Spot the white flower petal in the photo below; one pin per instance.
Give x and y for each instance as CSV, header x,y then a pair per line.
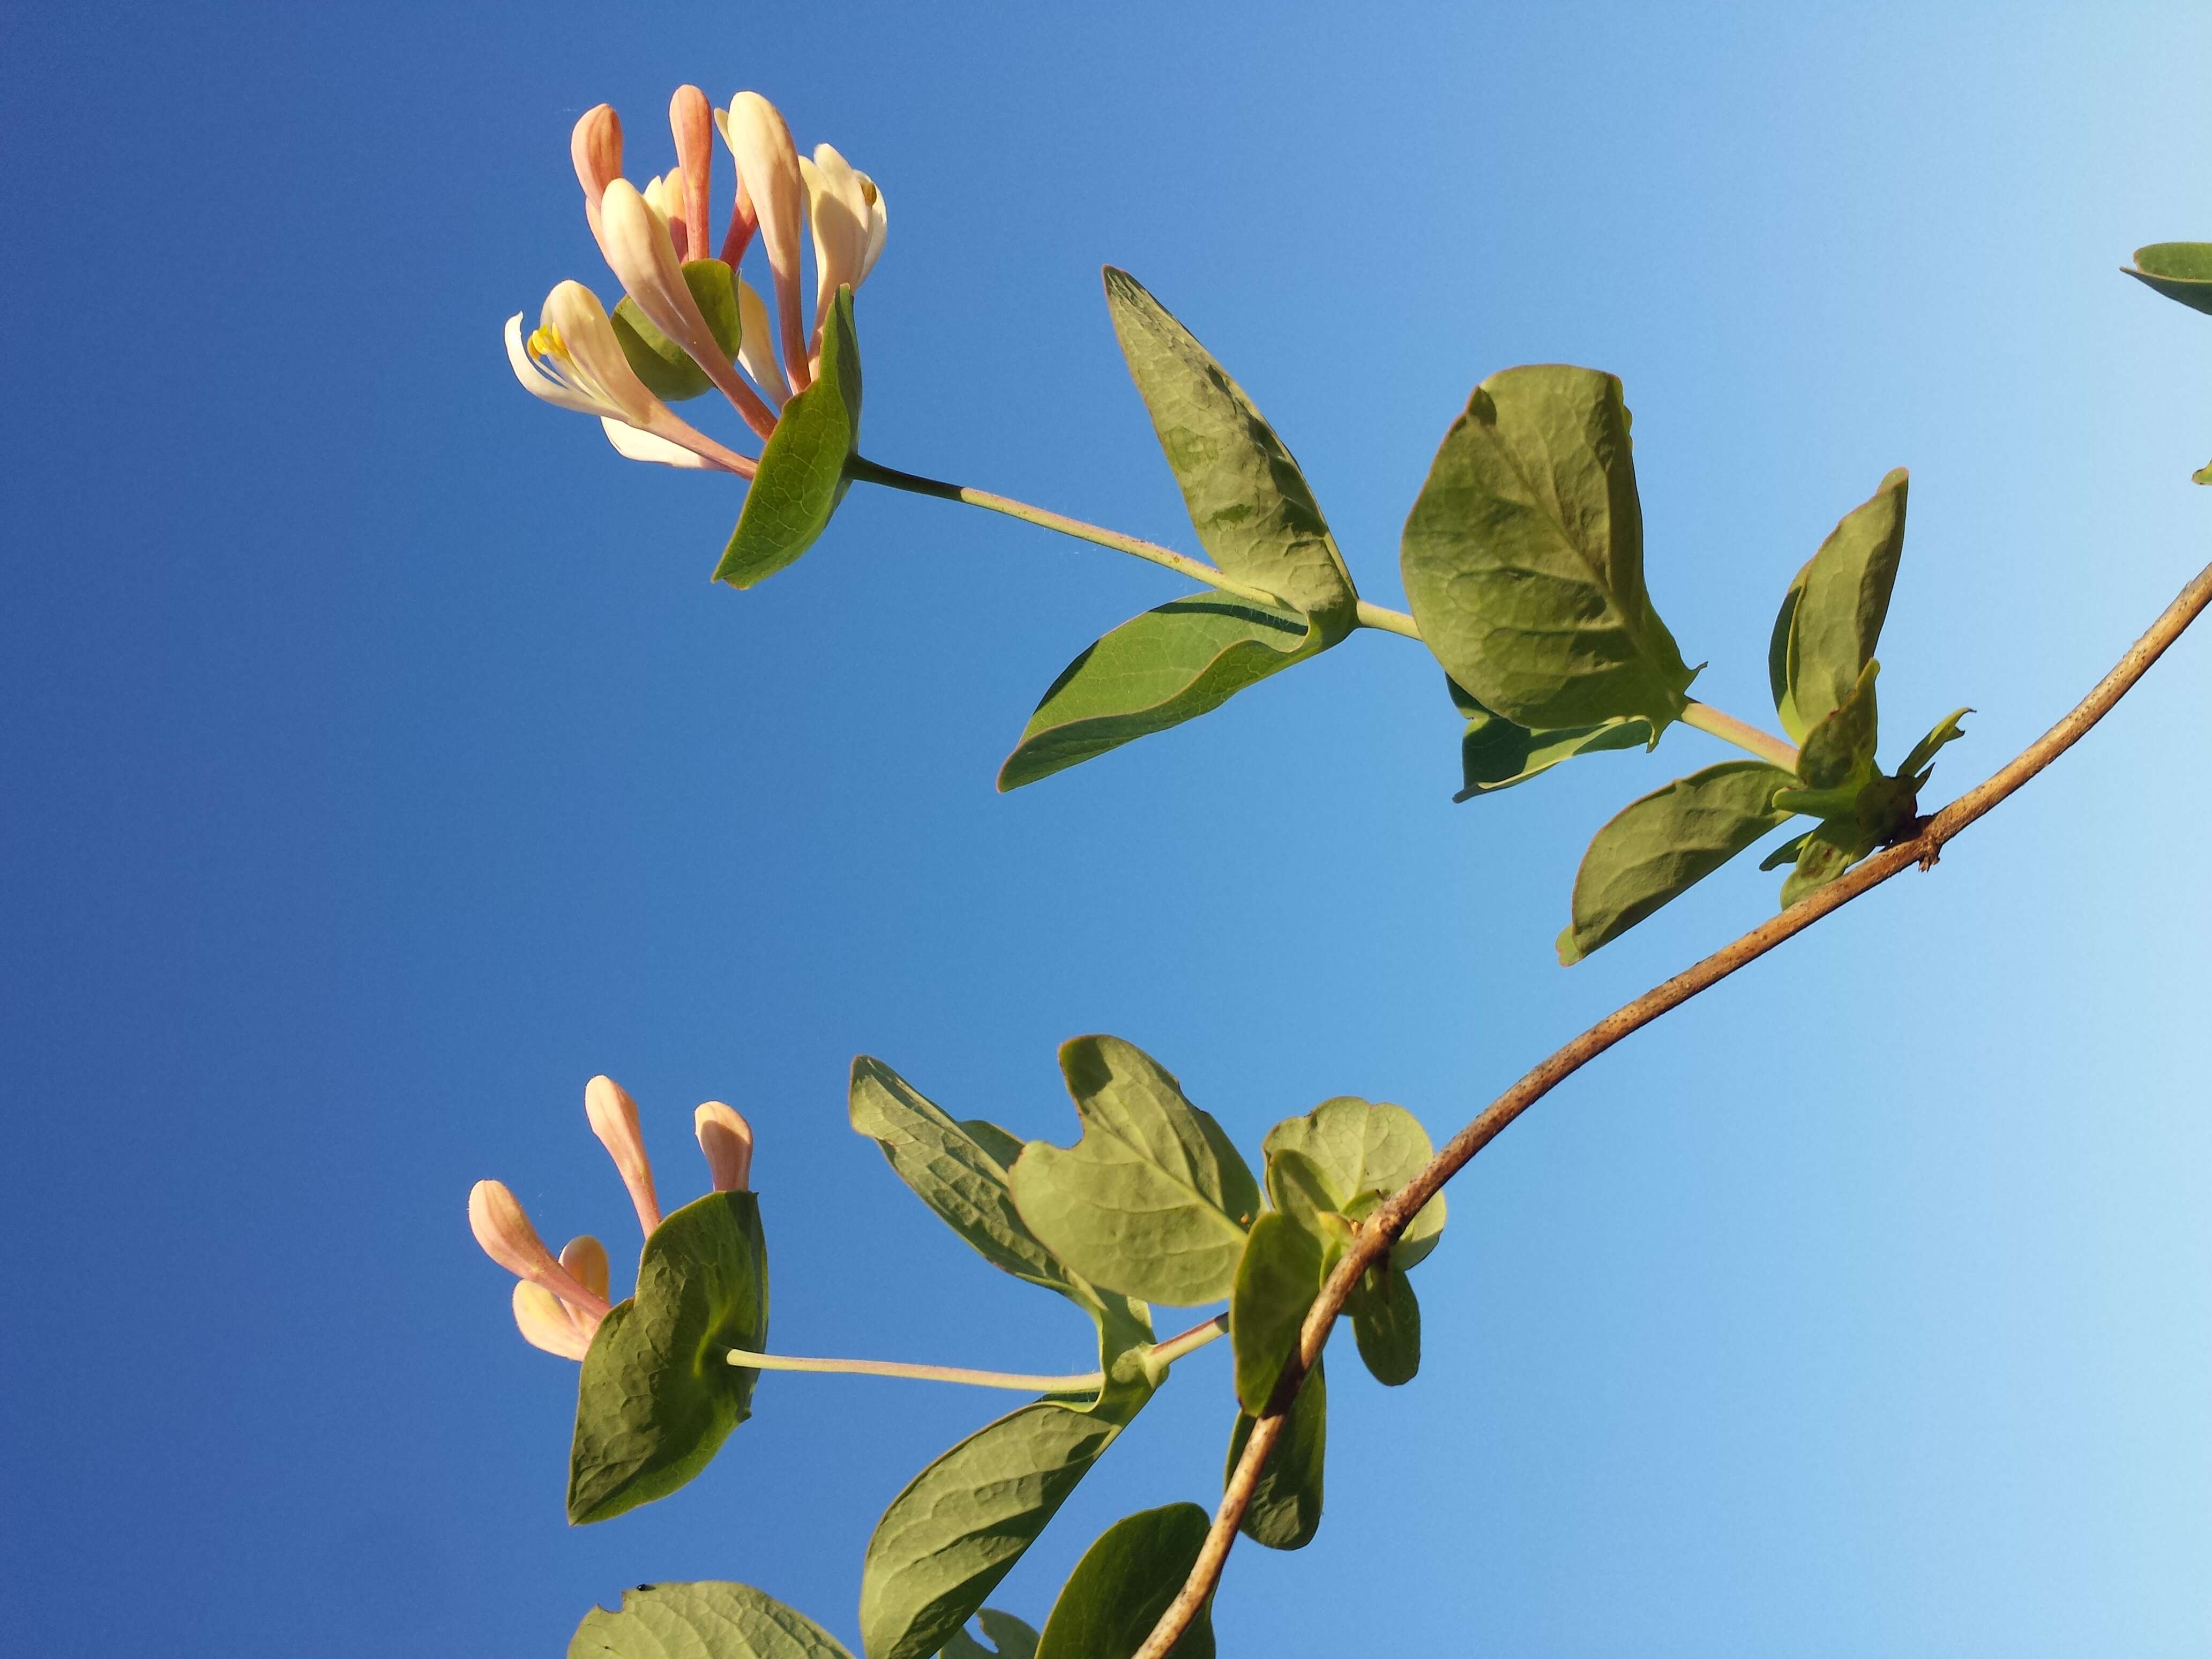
x,y
640,445
534,380
543,1319
755,349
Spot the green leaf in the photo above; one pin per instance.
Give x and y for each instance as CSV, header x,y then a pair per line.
x,y
2180,270
1284,1513
1827,850
2202,475
1153,1201
1386,1323
953,1171
657,1399
1658,847
665,367
1357,1148
957,1530
1297,1187
1010,1639
1838,753
1524,557
1787,853
1249,503
1946,730
706,1620
1123,1585
1495,753
1174,663
1832,615
802,467
1277,1280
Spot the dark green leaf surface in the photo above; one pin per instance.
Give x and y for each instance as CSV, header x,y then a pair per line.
x,y
1659,846
1284,1513
1123,1585
1249,503
1496,753
1385,1324
706,1620
1839,752
802,466
1524,557
1355,1148
2180,270
1172,664
1831,617
1010,1638
961,1524
666,369
1153,1201
1277,1280
657,1399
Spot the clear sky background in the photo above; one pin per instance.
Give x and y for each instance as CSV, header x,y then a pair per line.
x,y
380,764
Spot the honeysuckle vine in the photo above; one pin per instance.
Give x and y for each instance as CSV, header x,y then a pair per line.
x,y
1522,561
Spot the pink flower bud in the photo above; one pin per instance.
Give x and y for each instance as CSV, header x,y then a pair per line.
x,y
548,1323
586,1258
503,1230
692,119
596,147
768,165
727,1140
613,1117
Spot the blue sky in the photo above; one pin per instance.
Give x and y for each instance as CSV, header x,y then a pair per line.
x,y
382,765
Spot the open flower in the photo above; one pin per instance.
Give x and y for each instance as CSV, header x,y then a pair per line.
x,y
559,1301
656,238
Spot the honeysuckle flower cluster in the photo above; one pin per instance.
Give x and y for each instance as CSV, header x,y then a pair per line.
x,y
573,358
559,1301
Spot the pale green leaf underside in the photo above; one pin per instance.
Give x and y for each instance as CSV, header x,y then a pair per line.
x,y
1357,1148
1170,665
1657,847
1153,1201
1250,505
656,1398
1830,619
2180,270
666,369
1524,557
1010,1638
1284,1513
1496,753
706,1620
1276,1279
1123,1585
802,467
1386,1325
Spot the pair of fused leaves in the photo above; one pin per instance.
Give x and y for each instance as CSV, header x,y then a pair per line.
x,y
1822,671
2182,272
803,472
960,1525
1257,518
1523,564
720,1621
657,1395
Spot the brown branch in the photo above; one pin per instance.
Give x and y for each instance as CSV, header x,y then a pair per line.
x,y
1383,1226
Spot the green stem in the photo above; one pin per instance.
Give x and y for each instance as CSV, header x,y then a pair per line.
x,y
1020,1382
1744,735
1703,716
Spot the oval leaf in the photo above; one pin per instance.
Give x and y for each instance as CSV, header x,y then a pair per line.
x,y
1524,557
1284,1513
1123,1585
706,1620
2180,270
1153,1201
1176,662
1656,847
1385,1324
1496,753
961,1524
802,466
1249,503
657,1398
1839,752
1277,1280
665,367
1357,1148
1831,617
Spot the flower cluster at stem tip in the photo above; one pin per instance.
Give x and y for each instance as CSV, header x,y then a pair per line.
x,y
559,1301
573,358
